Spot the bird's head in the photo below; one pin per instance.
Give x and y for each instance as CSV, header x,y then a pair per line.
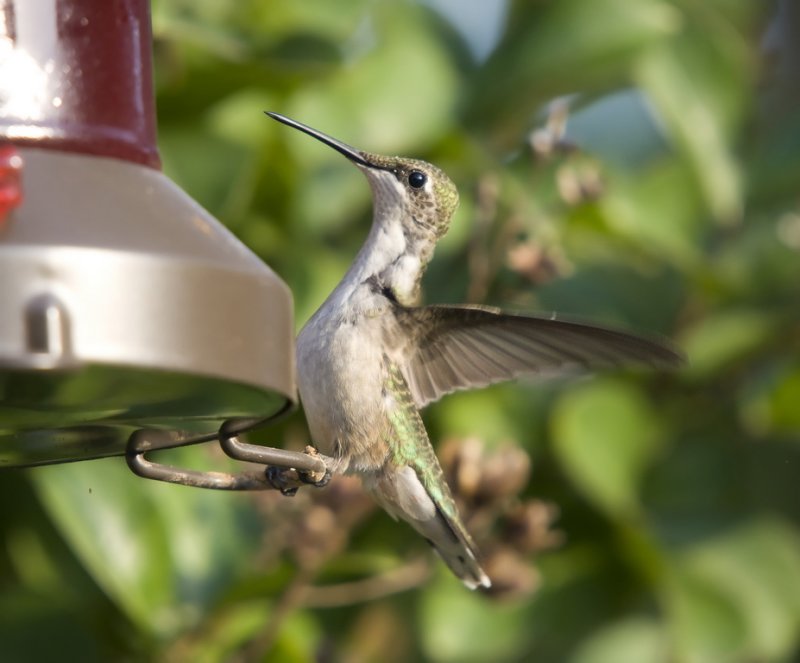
x,y
419,193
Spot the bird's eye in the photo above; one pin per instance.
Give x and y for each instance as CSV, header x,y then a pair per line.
x,y
417,179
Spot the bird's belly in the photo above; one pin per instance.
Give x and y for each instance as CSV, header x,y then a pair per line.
x,y
340,378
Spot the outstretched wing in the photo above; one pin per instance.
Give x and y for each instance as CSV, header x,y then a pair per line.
x,y
464,347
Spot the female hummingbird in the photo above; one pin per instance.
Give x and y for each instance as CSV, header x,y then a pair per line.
x,y
369,359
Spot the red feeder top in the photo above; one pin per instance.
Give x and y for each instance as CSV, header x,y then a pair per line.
x,y
75,75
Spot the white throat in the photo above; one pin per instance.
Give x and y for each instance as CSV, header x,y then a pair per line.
x,y
392,255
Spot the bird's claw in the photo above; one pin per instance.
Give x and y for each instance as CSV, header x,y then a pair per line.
x,y
316,478
312,478
280,478
288,480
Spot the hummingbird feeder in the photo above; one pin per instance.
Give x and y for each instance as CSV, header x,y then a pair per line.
x,y
130,319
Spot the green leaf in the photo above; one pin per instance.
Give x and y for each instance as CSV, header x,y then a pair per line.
x,y
161,552
632,640
707,626
483,414
44,628
619,128
756,567
366,107
192,157
239,117
784,413
558,48
671,80
724,337
456,625
659,210
605,434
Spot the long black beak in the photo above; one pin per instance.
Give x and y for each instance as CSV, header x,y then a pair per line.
x,y
350,152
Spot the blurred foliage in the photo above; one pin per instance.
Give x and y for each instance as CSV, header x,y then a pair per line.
x,y
635,162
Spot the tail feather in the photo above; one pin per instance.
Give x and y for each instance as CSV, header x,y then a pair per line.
x,y
400,492
455,548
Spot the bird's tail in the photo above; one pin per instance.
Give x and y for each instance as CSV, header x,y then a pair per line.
x,y
456,549
400,492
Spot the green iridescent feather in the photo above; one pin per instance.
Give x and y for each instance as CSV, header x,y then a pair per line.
x,y
409,445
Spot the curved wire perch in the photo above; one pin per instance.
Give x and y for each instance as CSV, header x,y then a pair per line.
x,y
286,470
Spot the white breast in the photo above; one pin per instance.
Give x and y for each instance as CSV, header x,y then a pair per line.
x,y
340,379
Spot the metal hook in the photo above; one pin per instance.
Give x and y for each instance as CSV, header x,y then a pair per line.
x,y
286,470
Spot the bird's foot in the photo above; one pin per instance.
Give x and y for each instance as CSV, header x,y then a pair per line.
x,y
318,479
288,480
283,479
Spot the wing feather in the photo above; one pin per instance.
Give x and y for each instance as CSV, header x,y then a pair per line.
x,y
464,347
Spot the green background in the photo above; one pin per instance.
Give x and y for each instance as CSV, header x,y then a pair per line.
x,y
669,206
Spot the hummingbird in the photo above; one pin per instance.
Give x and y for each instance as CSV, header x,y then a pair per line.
x,y
371,358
